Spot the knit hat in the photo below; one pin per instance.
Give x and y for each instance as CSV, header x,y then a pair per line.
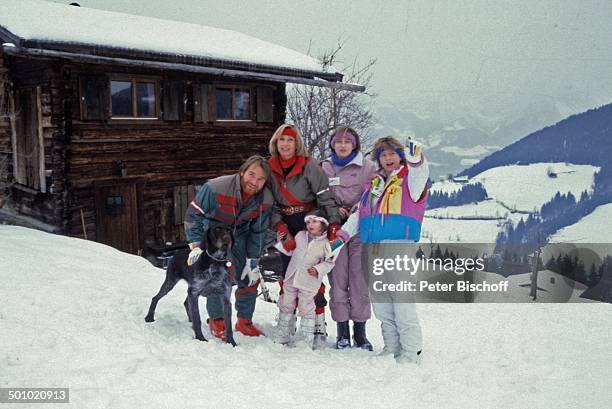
x,y
317,218
344,134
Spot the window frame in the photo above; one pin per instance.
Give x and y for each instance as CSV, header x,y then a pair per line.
x,y
234,88
134,79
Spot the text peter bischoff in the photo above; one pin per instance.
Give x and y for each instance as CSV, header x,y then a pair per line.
x,y
397,274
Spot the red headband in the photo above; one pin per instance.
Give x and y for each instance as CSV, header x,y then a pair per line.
x,y
288,131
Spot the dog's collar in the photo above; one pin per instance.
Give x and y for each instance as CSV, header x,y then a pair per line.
x,y
220,260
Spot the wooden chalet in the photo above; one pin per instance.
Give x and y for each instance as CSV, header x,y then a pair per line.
x,y
109,121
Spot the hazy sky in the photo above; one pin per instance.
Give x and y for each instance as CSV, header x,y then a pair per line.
x,y
480,52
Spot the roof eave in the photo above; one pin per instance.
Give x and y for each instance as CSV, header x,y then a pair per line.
x,y
188,64
129,53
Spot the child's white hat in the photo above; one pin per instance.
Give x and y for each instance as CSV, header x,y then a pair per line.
x,y
317,218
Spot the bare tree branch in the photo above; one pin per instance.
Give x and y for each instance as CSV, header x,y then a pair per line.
x,y
316,111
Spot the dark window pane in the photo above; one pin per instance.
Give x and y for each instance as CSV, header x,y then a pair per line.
x,y
94,92
223,97
243,104
114,205
145,99
121,98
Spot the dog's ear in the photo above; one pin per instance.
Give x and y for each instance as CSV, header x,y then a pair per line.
x,y
231,233
204,241
209,240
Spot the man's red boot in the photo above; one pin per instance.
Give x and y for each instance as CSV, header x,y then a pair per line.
x,y
247,328
217,328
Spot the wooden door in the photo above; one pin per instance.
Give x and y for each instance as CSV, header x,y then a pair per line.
x,y
28,145
117,214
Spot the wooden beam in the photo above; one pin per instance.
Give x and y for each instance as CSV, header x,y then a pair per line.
x,y
94,59
41,143
19,177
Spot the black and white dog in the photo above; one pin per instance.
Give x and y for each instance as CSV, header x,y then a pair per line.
x,y
208,276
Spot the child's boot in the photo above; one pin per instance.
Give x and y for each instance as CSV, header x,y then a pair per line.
x,y
285,328
307,329
320,331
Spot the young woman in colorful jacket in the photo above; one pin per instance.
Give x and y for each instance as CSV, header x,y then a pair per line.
x,y
390,214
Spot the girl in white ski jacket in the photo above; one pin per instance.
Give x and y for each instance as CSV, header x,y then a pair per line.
x,y
309,264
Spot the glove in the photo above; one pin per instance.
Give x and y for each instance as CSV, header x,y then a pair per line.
x,y
313,272
412,151
288,243
251,269
194,255
281,227
332,231
333,249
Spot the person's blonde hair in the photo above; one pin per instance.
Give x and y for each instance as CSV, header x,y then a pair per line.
x,y
300,150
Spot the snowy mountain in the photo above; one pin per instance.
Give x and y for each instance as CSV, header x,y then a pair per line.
x,y
458,136
72,316
580,139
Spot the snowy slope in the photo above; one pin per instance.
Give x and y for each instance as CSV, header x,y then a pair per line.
x,y
593,228
487,208
514,191
525,187
72,315
449,230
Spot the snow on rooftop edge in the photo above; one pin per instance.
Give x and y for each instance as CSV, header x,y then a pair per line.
x,y
41,20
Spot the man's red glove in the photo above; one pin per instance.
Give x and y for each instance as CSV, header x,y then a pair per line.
x,y
281,227
332,231
288,243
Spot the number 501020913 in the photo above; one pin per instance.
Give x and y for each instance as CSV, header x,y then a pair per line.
x,y
34,395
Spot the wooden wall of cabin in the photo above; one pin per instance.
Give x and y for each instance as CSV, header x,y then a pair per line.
x,y
34,97
6,157
162,158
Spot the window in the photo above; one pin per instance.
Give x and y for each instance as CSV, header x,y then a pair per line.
x,y
233,104
114,205
134,98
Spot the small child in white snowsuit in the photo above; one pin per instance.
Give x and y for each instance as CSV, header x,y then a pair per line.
x,y
308,250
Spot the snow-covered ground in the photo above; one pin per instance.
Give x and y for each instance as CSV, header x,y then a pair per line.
x,y
487,208
72,316
528,187
593,228
470,231
514,191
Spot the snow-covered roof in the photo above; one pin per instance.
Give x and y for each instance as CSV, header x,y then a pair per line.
x,y
40,24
